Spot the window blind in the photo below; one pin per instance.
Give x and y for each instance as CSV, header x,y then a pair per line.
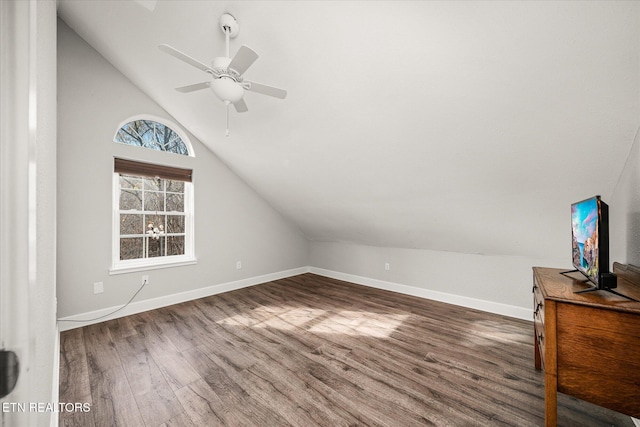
x,y
132,167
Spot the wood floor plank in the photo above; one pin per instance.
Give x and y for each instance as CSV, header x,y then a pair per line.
x,y
154,397
113,402
74,378
203,406
265,391
169,359
101,351
312,351
181,420
122,327
176,370
171,322
239,408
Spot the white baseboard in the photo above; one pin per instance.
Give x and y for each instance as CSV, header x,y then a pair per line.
x,y
76,321
483,305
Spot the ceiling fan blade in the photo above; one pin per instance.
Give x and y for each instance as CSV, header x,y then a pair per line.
x,y
193,87
183,57
243,59
266,90
241,106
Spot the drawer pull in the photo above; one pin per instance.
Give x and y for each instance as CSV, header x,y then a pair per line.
x,y
537,308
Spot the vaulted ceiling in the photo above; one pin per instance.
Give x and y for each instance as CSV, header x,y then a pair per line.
x,y
455,126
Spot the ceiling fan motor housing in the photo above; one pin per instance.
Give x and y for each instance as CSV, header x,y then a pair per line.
x,y
226,82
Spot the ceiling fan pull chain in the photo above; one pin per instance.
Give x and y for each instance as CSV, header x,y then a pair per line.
x,y
227,132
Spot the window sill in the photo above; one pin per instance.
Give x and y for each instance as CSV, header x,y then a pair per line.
x,y
134,267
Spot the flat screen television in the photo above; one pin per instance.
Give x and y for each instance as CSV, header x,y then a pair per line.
x,y
590,244
590,239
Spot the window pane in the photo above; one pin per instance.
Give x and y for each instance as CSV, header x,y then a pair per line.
x,y
131,224
130,199
153,201
153,222
131,248
151,134
175,202
133,182
175,245
129,137
175,224
175,186
156,246
155,184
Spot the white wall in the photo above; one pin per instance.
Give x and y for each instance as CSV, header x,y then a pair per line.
x,y
28,196
493,279
624,214
624,207
624,211
231,221
500,284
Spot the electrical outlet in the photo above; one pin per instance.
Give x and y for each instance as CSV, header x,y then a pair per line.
x,y
238,265
98,288
145,280
387,266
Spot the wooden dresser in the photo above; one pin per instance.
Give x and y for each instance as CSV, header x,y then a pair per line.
x,y
588,344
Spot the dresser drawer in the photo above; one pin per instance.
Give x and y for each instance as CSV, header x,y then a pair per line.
x,y
538,304
539,335
538,321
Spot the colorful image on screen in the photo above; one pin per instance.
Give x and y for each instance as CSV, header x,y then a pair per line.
x,y
584,226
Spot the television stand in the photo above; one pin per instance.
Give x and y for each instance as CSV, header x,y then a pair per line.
x,y
566,273
595,288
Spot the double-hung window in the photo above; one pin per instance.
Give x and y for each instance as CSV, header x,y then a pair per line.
x,y
153,215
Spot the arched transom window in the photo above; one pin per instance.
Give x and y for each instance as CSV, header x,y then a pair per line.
x,y
153,135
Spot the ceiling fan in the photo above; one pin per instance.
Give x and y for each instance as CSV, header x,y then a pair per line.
x,y
227,82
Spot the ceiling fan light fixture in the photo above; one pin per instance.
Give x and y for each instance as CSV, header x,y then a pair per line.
x,y
226,89
226,73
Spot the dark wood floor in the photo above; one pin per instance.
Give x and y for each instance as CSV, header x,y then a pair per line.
x,y
309,351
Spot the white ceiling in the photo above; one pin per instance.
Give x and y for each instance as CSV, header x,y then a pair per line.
x,y
456,126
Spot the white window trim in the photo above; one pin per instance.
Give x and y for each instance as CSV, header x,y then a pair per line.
x,y
119,266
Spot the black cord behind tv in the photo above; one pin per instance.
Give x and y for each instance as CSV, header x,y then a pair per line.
x,y
590,244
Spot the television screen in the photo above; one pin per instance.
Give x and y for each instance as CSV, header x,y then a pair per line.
x,y
586,223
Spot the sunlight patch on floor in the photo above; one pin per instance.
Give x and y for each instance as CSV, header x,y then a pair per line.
x,y
487,332
361,323
285,318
